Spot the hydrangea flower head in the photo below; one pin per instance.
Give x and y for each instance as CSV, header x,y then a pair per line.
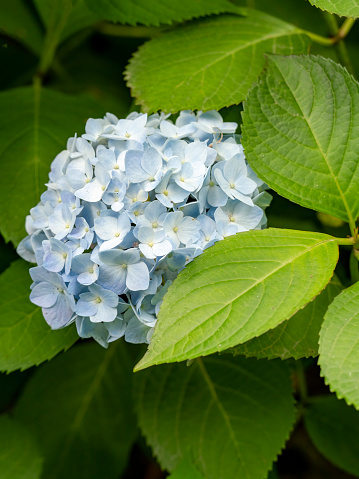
x,y
128,205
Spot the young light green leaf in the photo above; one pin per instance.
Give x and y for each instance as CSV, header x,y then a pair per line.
x,y
186,470
298,336
307,151
79,407
210,64
237,290
231,415
34,126
19,453
158,12
18,21
333,428
344,8
25,338
338,345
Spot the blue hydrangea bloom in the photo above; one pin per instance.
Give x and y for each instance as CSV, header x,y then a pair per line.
x,y
128,205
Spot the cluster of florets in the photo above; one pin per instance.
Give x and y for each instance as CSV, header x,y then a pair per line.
x,y
128,205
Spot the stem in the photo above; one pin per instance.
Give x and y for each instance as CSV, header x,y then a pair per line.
x,y
346,241
353,267
55,27
340,33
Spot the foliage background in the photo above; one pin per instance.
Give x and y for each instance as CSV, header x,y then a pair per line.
x,y
63,62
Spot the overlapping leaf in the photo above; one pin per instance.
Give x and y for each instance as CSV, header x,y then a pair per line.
x,y
208,65
339,345
25,338
155,12
19,453
298,336
231,415
301,133
34,126
346,8
333,428
238,289
79,407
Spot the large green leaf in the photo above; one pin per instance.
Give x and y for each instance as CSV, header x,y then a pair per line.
x,y
298,336
156,12
18,21
25,338
301,133
79,407
208,65
345,8
339,344
19,453
238,289
231,415
333,428
34,126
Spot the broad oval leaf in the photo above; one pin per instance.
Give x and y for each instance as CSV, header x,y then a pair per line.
x,y
210,64
25,338
333,427
301,133
344,8
156,12
338,345
79,407
238,289
19,452
298,336
247,404
34,126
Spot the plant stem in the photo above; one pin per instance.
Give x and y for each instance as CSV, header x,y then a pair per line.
x,y
341,33
338,34
353,267
54,29
346,241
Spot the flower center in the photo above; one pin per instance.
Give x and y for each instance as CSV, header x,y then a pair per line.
x,y
98,300
175,229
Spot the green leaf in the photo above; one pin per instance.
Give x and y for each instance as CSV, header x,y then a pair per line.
x,y
18,21
231,415
338,346
307,151
186,470
25,338
344,8
34,126
333,428
79,407
157,11
80,16
210,64
298,336
238,289
19,453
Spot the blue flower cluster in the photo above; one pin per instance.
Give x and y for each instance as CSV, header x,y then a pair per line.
x,y
127,206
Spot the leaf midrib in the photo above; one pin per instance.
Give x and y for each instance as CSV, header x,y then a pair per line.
x,y
157,355
342,196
